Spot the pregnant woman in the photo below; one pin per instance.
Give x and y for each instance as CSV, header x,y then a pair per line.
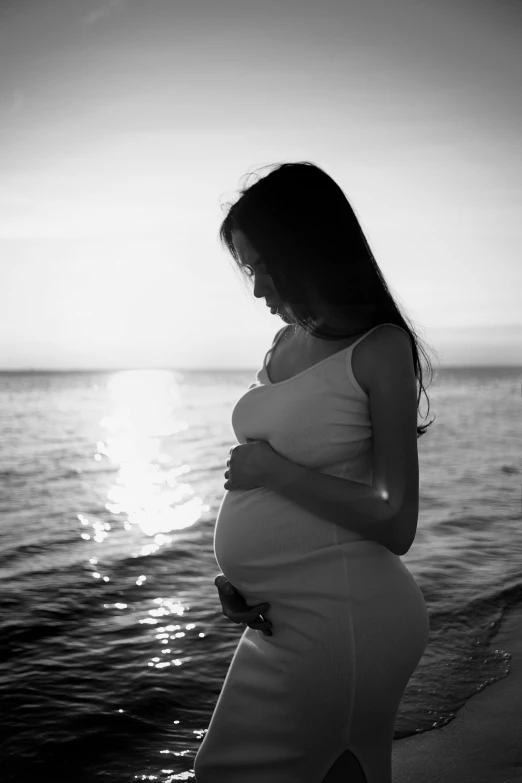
x,y
322,501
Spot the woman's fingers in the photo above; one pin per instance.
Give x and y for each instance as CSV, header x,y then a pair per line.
x,y
243,615
250,616
247,617
223,585
259,625
236,609
252,620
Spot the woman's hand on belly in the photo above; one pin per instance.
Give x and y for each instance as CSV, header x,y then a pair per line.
x,y
236,609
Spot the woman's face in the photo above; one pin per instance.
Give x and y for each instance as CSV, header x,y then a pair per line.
x,y
263,284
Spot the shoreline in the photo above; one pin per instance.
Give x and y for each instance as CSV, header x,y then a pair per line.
x,y
483,743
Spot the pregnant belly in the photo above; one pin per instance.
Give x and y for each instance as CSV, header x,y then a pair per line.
x,y
261,536
312,572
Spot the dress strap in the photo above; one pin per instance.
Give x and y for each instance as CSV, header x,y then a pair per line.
x,y
279,334
372,329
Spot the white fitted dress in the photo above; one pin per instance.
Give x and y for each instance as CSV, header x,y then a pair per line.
x,y
349,620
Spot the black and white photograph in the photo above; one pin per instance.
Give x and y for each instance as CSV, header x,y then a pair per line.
x,y
260,391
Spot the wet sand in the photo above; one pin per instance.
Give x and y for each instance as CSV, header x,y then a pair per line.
x,y
483,744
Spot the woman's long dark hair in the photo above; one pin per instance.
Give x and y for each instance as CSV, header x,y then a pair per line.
x,y
307,235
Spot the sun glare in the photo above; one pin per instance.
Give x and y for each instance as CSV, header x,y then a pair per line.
x,y
147,489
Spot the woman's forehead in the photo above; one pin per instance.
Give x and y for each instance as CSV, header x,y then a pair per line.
x,y
243,246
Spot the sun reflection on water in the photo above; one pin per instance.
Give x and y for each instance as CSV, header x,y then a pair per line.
x,y
147,488
144,448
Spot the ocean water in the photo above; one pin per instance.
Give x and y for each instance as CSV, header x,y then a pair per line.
x,y
113,645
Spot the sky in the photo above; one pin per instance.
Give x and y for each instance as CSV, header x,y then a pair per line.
x,y
126,126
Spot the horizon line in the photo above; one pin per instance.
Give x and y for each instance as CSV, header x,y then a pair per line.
x,y
212,369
